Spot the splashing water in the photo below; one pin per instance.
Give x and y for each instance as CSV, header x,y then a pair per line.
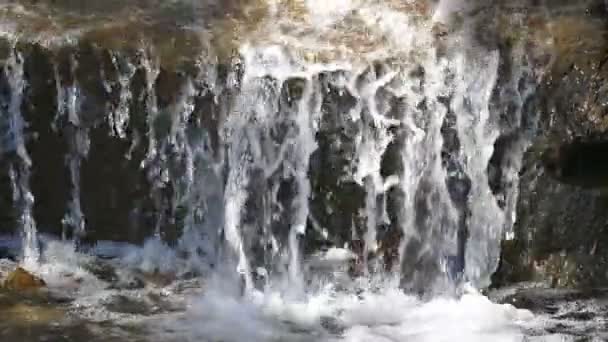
x,y
384,315
449,219
403,105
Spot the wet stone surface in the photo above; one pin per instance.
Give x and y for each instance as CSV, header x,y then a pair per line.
x,y
576,314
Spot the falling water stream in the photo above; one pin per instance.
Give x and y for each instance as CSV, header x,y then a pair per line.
x,y
327,182
20,168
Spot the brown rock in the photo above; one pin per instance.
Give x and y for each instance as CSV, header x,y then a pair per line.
x,y
23,315
20,280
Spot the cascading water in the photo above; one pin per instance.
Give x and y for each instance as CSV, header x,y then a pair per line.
x,y
338,163
433,212
21,163
396,105
68,114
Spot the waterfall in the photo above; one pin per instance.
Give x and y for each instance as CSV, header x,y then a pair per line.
x,y
68,116
274,170
448,217
379,143
119,118
15,148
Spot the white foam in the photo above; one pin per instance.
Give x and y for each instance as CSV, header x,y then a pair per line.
x,y
471,318
385,315
61,267
326,12
366,310
155,256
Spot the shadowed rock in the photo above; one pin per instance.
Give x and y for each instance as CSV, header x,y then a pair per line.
x,y
560,235
579,163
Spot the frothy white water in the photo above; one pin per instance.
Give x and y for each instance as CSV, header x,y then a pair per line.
x,y
347,310
379,313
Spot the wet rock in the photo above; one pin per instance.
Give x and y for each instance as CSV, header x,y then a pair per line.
x,y
560,233
119,279
336,201
579,163
102,271
128,305
156,279
128,282
293,90
560,236
49,180
511,269
332,325
164,303
537,301
544,300
132,280
22,280
147,305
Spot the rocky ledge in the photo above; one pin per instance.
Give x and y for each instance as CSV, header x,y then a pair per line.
x,y
561,233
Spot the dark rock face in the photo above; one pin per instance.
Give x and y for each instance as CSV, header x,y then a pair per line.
x,y
560,233
48,147
579,163
76,150
336,203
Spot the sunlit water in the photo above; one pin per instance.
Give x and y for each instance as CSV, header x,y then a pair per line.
x,y
406,73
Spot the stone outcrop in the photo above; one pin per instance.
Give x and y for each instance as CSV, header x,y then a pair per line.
x,y
560,236
22,280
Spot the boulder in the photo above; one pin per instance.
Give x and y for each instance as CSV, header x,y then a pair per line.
x,y
22,280
560,236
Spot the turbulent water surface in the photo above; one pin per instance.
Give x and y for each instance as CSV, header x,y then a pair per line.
x,y
270,170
